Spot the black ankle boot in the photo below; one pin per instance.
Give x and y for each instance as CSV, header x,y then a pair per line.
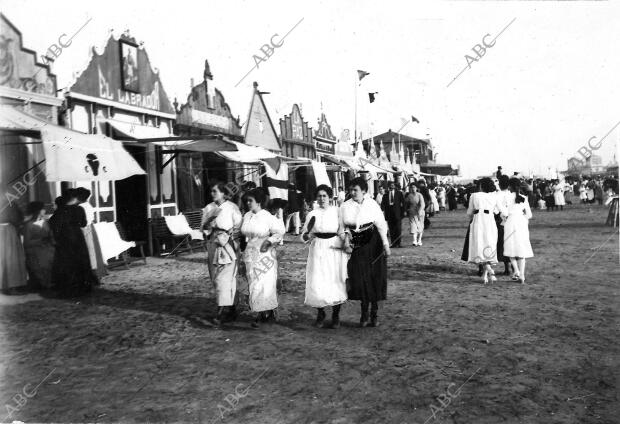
x,y
373,315
257,320
232,313
320,317
364,317
220,315
335,317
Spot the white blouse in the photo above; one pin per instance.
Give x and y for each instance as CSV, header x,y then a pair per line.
x,y
262,224
519,209
227,215
485,201
358,214
325,220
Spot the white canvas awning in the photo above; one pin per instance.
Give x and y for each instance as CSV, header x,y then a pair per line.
x,y
71,155
161,137
247,154
351,162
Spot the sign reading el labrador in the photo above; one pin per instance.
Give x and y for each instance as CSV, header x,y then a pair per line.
x,y
123,74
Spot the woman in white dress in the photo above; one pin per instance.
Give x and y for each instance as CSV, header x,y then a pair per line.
x,y
364,231
263,232
221,221
483,229
435,207
326,271
558,194
516,233
414,206
590,191
441,198
582,192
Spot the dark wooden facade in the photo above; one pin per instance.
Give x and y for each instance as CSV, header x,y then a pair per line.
x,y
205,113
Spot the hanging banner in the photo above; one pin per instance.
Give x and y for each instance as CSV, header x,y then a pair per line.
x,y
72,156
277,183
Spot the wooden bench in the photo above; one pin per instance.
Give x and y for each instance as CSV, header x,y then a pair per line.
x,y
127,260
176,243
194,219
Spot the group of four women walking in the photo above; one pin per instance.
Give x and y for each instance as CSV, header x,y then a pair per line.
x,y
347,258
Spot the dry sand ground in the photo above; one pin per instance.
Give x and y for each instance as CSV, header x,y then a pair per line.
x,y
138,349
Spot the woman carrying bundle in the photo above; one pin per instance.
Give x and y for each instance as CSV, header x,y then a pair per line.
x,y
221,221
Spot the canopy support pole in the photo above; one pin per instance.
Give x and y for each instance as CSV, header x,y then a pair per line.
x,y
174,155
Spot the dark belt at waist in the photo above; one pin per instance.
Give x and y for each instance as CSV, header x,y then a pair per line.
x,y
325,235
363,227
362,236
478,210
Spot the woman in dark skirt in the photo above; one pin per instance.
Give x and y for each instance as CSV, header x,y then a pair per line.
x,y
364,231
71,272
504,196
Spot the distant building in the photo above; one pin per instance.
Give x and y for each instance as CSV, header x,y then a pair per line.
x,y
592,165
205,113
325,141
417,150
298,143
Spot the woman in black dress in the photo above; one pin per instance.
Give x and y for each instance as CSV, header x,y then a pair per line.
x,y
364,232
71,272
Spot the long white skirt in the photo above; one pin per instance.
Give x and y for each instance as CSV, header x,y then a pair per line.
x,y
558,196
483,238
262,274
517,237
223,276
326,273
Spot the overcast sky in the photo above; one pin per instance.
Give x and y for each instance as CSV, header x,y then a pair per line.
x,y
548,84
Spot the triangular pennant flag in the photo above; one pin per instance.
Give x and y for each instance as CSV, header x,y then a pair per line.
x,y
362,74
274,163
414,119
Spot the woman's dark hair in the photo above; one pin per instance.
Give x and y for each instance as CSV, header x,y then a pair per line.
x,y
34,208
487,185
249,185
515,187
504,182
70,194
60,201
324,187
360,182
224,189
258,194
425,194
82,194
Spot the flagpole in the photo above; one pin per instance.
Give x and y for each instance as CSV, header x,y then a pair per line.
x,y
355,111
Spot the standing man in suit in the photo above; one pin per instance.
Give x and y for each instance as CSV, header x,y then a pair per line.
x,y
393,205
